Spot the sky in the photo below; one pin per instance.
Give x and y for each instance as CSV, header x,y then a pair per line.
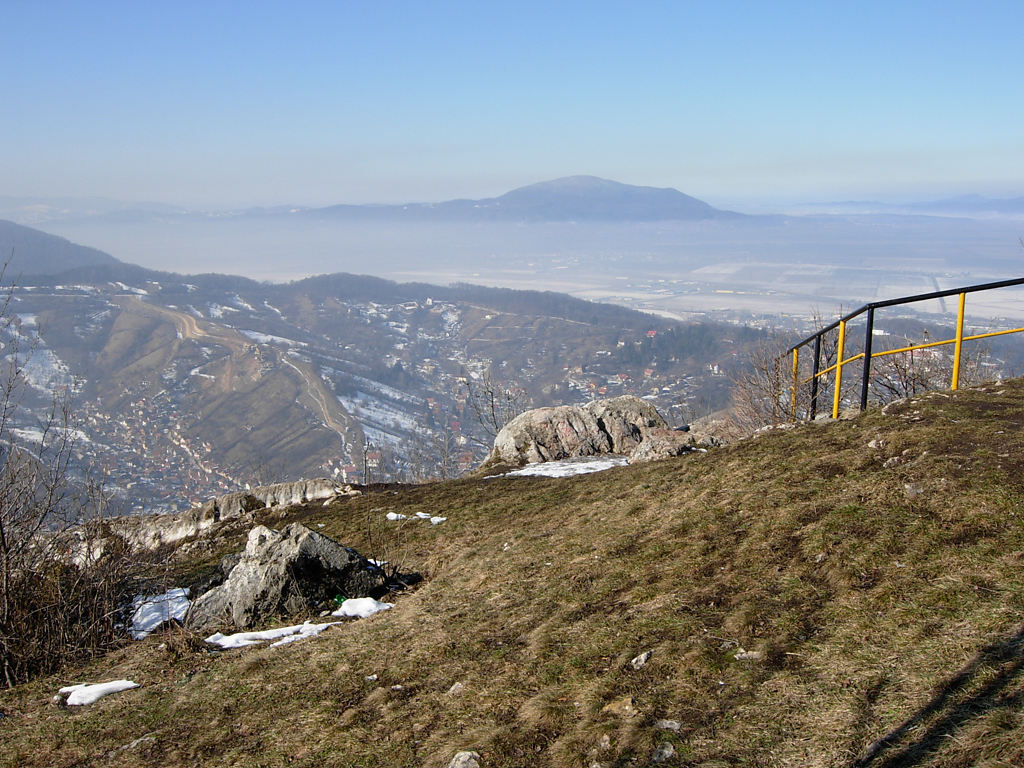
x,y
223,104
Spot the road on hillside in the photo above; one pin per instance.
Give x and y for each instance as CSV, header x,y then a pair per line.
x,y
318,391
187,325
189,328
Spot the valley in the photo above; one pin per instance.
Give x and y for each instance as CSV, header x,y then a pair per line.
x,y
189,387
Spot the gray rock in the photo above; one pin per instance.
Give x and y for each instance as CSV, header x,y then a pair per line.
x,y
465,760
662,444
640,661
664,751
616,425
709,441
218,577
668,725
299,492
292,572
912,490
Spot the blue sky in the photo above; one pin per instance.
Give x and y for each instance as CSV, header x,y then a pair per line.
x,y
222,103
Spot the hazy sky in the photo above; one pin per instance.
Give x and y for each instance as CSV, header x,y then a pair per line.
x,y
224,103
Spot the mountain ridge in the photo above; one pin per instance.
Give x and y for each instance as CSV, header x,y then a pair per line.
x,y
26,250
567,198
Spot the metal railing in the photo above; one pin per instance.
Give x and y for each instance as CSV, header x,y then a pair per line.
x,y
867,355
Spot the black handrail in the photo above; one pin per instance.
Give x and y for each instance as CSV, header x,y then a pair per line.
x,y
870,308
908,300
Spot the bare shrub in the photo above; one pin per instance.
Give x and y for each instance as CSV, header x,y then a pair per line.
x,y
760,389
61,589
494,403
910,373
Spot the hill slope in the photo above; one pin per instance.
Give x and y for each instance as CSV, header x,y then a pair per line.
x,y
802,595
31,252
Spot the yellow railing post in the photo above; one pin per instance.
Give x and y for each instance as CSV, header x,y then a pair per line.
x,y
839,369
796,384
959,342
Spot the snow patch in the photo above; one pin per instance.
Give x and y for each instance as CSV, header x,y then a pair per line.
x,y
45,371
569,467
35,435
434,519
130,289
283,635
241,303
153,610
87,693
266,338
361,607
378,413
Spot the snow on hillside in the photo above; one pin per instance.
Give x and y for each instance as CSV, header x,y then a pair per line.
x,y
266,338
376,412
42,369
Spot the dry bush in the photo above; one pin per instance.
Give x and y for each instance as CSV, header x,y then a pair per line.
x,y
762,389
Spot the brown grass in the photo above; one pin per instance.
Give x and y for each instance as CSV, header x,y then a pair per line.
x,y
882,589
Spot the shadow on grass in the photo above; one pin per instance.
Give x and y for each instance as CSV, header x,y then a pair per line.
x,y
955,705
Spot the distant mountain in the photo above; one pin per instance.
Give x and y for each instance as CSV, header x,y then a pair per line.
x,y
31,252
972,204
38,210
573,198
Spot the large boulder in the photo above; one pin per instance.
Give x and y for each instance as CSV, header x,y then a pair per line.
x,y
615,425
294,571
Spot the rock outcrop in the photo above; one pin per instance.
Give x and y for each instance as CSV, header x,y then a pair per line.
x,y
616,425
294,571
150,532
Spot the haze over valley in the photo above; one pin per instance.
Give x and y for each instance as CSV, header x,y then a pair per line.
x,y
188,386
657,250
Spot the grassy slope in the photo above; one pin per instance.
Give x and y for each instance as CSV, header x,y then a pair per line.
x,y
879,597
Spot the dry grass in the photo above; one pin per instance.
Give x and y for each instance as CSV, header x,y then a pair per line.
x,y
881,590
